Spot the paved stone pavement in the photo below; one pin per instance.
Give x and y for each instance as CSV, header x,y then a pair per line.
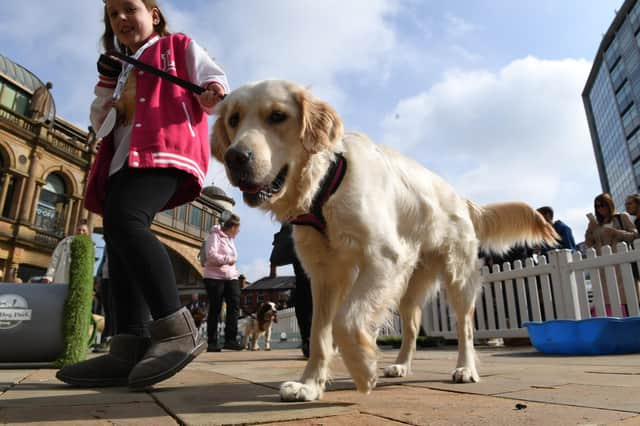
x,y
518,386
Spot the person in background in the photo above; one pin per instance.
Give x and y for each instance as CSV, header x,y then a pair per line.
x,y
58,270
283,253
566,235
221,281
608,227
106,295
632,205
154,156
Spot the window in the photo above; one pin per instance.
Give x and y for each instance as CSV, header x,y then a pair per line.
x,y
7,97
616,72
8,199
624,95
182,213
13,98
51,205
611,54
634,13
634,145
195,216
629,116
208,221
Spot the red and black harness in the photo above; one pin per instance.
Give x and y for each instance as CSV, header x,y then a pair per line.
x,y
330,183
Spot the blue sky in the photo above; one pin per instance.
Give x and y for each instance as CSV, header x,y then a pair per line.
x,y
485,93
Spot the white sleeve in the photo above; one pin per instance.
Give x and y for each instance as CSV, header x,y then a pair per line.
x,y
100,106
56,257
203,70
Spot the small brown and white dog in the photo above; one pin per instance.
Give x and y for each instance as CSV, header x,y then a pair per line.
x,y
253,328
373,229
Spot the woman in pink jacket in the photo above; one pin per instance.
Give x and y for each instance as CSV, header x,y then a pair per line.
x,y
221,281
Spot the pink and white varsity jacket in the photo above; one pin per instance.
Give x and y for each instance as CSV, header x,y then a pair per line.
x,y
170,126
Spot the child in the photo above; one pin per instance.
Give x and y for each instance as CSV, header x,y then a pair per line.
x,y
155,158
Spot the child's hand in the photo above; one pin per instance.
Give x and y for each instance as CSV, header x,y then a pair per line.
x,y
109,67
210,97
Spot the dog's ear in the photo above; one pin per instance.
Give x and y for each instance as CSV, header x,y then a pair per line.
x,y
219,138
321,126
261,310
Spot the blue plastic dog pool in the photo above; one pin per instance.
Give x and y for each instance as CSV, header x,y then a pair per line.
x,y
593,336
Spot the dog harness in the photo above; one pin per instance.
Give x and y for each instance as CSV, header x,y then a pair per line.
x,y
330,183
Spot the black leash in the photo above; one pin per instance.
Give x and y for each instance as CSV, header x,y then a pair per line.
x,y
155,71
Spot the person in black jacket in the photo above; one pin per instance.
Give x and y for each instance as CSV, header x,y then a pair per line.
x,y
283,253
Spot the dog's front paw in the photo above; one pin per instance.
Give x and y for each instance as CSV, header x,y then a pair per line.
x,y
465,375
268,348
396,370
296,391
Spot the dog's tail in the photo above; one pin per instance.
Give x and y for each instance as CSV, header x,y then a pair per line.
x,y
501,226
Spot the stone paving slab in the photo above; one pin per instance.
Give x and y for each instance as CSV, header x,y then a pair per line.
x,y
604,397
92,415
40,388
242,388
203,397
416,406
346,420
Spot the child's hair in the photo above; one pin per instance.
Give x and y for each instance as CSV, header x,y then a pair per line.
x,y
110,42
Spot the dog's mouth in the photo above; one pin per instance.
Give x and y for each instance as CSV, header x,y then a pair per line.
x,y
255,194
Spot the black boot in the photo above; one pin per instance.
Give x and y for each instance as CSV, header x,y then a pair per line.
x,y
112,369
175,342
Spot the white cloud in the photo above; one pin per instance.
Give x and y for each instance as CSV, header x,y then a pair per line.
x,y
306,41
516,134
457,26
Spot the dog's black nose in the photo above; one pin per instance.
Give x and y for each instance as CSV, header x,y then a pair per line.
x,y
238,157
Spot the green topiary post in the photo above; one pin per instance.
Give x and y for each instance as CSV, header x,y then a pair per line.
x,y
77,308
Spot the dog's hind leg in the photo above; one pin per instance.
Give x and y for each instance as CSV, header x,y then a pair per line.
x,y
411,315
462,296
326,295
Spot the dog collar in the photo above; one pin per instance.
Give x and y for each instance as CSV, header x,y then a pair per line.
x,y
330,183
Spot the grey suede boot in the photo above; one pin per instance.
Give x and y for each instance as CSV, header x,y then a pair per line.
x,y
174,344
111,369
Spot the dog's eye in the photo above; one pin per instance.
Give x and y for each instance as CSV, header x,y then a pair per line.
x,y
276,117
234,119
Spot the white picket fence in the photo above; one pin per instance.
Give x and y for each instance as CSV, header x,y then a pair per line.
x,y
557,288
288,324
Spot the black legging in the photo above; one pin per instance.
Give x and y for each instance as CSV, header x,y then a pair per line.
x,y
140,269
230,291
302,301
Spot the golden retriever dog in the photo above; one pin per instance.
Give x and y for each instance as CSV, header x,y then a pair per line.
x,y
374,230
253,328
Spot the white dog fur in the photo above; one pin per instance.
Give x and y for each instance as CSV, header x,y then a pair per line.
x,y
393,229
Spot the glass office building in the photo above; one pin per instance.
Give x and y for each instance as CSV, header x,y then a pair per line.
x,y
612,102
